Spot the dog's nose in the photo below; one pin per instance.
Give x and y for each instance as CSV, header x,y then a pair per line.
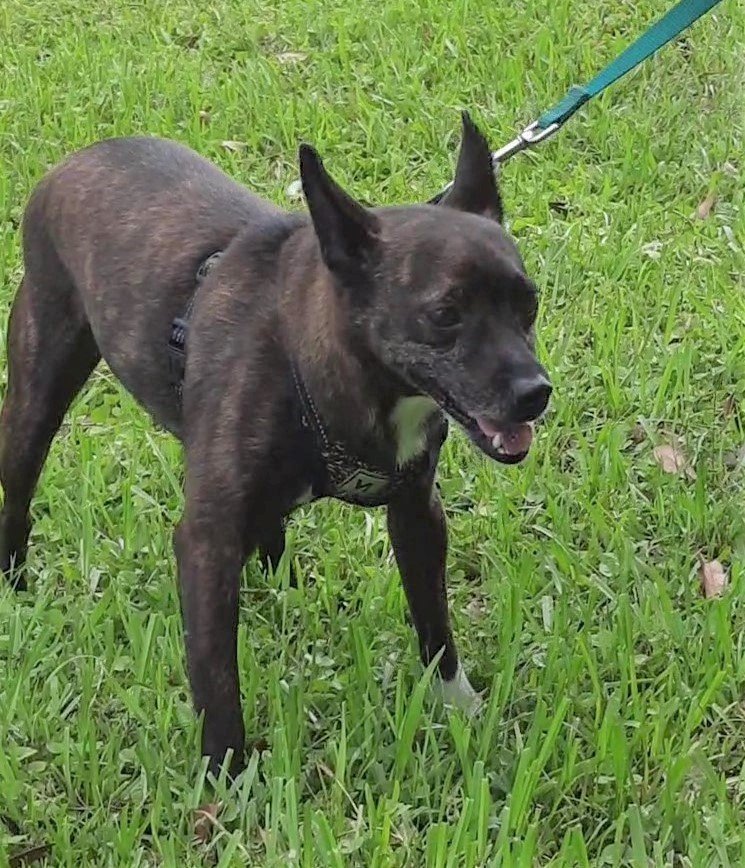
x,y
531,397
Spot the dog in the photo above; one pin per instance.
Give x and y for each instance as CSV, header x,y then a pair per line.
x,y
321,355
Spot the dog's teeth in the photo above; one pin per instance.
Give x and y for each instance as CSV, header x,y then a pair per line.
x,y
496,441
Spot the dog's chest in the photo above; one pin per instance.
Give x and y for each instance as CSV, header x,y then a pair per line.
x,y
409,422
363,482
416,432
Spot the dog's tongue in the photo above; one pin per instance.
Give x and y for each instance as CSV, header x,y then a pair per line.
x,y
515,439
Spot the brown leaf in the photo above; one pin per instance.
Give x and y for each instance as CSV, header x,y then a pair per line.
x,y
291,57
729,406
672,460
29,856
704,208
231,145
713,579
638,434
205,817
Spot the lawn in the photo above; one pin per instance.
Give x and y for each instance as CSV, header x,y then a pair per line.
x,y
614,726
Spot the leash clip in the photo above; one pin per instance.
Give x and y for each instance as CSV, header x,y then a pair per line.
x,y
530,136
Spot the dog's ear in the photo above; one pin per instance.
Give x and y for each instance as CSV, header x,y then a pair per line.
x,y
347,232
475,186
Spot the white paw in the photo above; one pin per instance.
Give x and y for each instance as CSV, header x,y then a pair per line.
x,y
459,693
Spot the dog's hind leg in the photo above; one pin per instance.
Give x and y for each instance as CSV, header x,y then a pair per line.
x,y
50,354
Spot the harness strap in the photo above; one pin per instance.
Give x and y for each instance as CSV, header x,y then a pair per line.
x,y
310,417
180,326
339,473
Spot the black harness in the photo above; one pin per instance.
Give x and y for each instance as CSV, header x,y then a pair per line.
x,y
348,477
335,472
180,326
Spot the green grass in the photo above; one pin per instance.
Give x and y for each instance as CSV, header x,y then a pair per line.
x,y
614,732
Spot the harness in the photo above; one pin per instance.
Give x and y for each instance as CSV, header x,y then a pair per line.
x,y
335,471
180,326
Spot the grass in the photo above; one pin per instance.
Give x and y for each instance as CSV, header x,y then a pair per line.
x,y
615,721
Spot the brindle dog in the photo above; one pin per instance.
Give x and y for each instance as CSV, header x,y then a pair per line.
x,y
323,351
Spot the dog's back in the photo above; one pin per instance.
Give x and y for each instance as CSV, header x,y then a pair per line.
x,y
113,238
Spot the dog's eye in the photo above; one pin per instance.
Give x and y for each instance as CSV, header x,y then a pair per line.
x,y
445,317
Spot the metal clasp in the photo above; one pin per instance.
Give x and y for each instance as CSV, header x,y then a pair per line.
x,y
530,136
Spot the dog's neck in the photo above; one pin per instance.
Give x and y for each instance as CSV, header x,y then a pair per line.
x,y
360,401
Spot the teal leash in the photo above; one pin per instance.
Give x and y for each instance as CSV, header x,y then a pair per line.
x,y
678,19
672,24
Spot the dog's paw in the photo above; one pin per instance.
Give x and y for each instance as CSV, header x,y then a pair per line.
x,y
458,692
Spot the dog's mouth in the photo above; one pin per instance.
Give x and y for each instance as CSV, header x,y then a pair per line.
x,y
508,443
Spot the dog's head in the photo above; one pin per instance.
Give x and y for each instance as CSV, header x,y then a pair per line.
x,y
439,294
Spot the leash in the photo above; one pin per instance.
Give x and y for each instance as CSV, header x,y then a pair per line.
x,y
672,24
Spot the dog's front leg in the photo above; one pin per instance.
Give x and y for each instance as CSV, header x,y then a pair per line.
x,y
210,552
418,531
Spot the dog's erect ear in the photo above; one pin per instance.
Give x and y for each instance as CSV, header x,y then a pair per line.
x,y
347,232
475,186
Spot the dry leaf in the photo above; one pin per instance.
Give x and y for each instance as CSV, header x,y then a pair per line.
x,y
30,856
638,434
672,460
704,208
234,146
204,821
291,57
713,579
294,190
